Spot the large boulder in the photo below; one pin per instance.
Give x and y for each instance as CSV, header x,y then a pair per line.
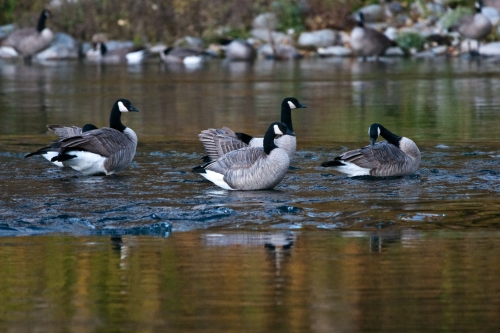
x,y
490,49
320,38
373,13
267,21
62,47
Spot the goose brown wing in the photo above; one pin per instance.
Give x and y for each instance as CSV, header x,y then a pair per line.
x,y
14,38
237,159
218,142
64,132
104,141
373,157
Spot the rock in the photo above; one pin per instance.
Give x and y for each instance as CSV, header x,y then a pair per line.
x,y
62,47
373,13
240,50
492,3
157,48
267,21
319,38
190,42
490,49
282,52
394,51
6,30
391,33
492,14
335,51
435,8
116,44
7,52
277,37
439,50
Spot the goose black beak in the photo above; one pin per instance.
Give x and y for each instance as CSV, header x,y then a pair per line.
x,y
301,106
372,142
132,108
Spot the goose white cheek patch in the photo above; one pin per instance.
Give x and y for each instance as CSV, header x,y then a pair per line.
x,y
277,130
122,107
291,105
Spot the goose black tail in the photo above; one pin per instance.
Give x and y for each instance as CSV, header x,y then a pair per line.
x,y
199,169
332,164
244,137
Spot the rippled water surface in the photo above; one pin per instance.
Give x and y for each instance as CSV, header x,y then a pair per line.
x,y
403,254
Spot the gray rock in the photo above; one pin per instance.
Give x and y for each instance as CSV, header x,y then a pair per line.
x,y
320,38
7,52
267,21
240,50
373,13
266,36
62,47
282,52
394,51
490,49
6,30
436,8
191,43
492,14
335,51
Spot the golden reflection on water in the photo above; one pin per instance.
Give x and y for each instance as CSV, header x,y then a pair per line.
x,y
252,281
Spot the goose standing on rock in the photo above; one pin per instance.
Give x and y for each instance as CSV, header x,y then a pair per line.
x,y
29,41
475,26
218,142
63,132
368,42
398,156
251,168
105,150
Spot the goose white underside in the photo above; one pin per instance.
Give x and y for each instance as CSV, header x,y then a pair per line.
x,y
352,170
135,57
193,60
48,156
86,162
216,178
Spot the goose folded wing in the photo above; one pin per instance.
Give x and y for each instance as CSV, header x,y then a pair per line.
x,y
237,159
218,142
372,157
64,132
104,142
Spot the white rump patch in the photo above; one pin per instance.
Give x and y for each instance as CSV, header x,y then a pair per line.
x,y
291,105
352,170
86,162
277,129
122,107
49,155
216,178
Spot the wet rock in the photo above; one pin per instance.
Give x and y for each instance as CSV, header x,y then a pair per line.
x,y
373,13
266,21
335,51
7,52
289,209
63,47
319,38
278,52
490,49
492,14
6,30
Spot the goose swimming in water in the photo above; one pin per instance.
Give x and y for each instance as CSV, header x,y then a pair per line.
x,y
29,41
398,156
218,142
251,168
105,150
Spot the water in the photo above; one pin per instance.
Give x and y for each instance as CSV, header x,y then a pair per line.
x,y
158,247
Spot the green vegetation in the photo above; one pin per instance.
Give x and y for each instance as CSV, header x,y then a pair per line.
x,y
451,18
410,40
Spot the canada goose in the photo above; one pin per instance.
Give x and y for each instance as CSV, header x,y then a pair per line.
x,y
367,41
105,150
475,26
100,53
251,168
180,55
240,50
29,41
219,141
63,132
398,156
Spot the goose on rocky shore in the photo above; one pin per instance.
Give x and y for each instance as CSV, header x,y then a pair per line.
x,y
367,42
475,26
398,156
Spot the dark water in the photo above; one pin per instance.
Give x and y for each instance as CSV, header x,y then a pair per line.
x,y
416,253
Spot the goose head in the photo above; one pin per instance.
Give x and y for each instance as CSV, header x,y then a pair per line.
x,y
478,5
275,129
292,103
373,132
124,105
